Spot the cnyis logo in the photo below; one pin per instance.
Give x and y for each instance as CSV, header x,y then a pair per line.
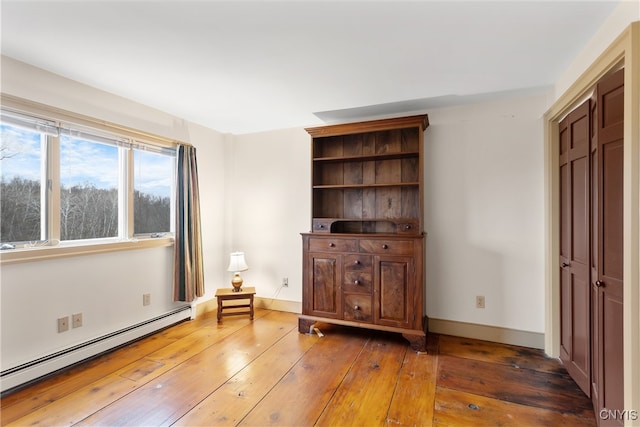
x,y
617,414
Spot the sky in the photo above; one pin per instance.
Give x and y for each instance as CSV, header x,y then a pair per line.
x,y
82,162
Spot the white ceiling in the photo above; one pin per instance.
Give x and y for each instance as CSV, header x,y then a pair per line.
x,y
248,66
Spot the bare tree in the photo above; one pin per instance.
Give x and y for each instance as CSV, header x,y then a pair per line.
x,y
86,212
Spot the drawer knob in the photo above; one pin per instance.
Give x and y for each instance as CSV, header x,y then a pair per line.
x,y
385,246
321,226
356,307
332,245
407,227
357,262
357,282
599,283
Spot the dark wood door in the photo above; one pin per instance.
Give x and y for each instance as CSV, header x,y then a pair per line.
x,y
394,276
323,294
575,224
607,284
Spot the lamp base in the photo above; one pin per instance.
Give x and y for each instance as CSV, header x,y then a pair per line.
x,y
236,282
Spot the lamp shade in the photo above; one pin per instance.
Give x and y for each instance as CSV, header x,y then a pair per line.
x,y
237,262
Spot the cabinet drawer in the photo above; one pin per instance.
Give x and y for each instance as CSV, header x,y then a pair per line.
x,y
357,281
333,245
394,247
358,262
321,225
407,228
357,307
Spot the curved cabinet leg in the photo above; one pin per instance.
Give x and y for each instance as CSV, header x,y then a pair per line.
x,y
417,342
305,326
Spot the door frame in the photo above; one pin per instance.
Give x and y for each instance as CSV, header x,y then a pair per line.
x,y
624,51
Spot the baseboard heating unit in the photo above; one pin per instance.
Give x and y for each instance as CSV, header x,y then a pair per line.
x,y
27,372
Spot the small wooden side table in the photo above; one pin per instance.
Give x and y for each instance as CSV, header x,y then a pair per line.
x,y
224,294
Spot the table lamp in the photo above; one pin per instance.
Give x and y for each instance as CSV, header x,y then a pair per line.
x,y
237,264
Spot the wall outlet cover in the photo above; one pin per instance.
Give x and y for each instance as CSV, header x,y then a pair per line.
x,y
76,320
63,324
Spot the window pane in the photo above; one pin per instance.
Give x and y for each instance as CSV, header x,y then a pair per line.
x,y
153,178
21,184
88,189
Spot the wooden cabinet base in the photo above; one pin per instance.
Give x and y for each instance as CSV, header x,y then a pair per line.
x,y
417,338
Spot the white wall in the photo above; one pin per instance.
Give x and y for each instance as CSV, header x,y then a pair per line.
x,y
270,177
212,149
106,288
484,213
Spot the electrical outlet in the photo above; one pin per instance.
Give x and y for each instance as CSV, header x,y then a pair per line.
x,y
146,299
285,282
480,301
76,320
63,324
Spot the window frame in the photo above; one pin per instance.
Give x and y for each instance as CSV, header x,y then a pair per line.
x,y
50,221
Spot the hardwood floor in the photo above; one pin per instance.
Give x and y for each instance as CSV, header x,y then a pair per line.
x,y
265,373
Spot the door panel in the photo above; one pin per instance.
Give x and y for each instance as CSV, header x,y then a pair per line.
x,y
575,244
612,396
595,218
566,334
612,161
566,317
580,210
581,337
608,280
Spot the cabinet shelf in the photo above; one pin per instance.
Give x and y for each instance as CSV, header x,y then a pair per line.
x,y
400,219
387,225
343,186
365,158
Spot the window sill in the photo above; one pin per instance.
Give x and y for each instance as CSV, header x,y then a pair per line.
x,y
65,250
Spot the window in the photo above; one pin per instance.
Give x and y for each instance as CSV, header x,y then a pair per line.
x,y
21,185
152,192
63,182
89,174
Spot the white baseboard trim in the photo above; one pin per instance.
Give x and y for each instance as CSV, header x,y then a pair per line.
x,y
438,326
258,302
278,305
487,333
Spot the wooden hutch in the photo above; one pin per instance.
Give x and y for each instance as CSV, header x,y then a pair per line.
x,y
363,259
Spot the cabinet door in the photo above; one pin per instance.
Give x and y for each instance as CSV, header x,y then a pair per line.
x,y
322,291
394,289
